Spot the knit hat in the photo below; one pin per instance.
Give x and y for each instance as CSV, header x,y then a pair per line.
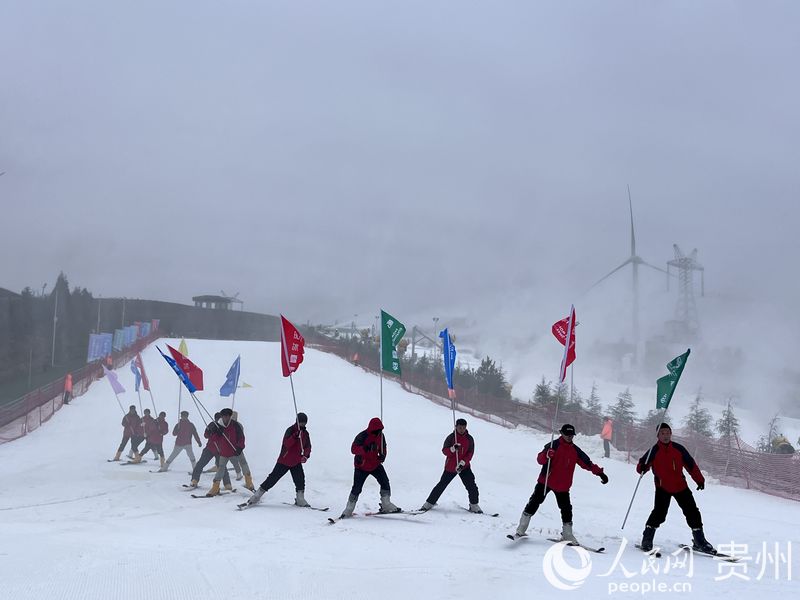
x,y
226,412
461,422
302,417
664,426
567,429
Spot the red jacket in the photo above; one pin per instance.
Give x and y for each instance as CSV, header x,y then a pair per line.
x,y
230,439
155,430
370,447
210,433
668,462
464,453
291,454
132,424
183,431
562,465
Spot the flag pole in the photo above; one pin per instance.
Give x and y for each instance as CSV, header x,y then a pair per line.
x,y
180,392
561,376
641,475
116,395
154,402
285,349
380,362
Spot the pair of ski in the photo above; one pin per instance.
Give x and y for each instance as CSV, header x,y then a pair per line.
x,y
220,493
514,537
245,505
398,513
687,548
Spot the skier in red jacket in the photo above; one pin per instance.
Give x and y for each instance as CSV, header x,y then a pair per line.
x,y
458,449
154,430
560,456
668,459
230,441
295,450
369,449
131,430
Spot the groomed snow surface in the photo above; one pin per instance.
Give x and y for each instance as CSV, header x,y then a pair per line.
x,y
75,526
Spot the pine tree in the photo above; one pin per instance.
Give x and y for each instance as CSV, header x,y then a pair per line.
x,y
593,406
727,425
623,410
698,421
543,395
491,379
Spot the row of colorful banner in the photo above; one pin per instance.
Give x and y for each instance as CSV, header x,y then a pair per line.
x,y
102,344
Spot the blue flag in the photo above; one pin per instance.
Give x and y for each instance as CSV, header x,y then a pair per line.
x,y
138,375
449,357
178,371
232,379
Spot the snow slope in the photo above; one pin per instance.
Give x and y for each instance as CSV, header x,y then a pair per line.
x,y
75,526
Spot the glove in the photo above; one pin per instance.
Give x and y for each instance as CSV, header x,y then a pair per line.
x,y
303,459
455,447
701,485
372,447
460,467
603,478
642,469
551,453
381,457
238,451
359,460
199,444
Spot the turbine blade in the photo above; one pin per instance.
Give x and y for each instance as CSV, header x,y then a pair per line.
x,y
647,264
633,234
610,274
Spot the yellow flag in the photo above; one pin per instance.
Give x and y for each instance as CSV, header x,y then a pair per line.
x,y
245,385
183,349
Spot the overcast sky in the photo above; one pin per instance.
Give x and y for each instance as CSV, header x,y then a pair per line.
x,y
325,159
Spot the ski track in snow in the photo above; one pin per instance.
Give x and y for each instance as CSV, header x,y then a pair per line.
x,y
77,527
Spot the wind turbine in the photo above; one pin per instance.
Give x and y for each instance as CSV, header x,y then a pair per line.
x,y
634,260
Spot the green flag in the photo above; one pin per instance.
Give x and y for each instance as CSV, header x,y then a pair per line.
x,y
392,332
665,386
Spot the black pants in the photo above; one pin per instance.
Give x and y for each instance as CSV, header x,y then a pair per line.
x,y
562,499
67,397
135,441
298,476
159,448
205,458
607,448
359,477
685,500
467,478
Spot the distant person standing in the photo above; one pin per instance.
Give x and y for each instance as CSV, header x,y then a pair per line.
x,y
458,449
607,435
183,431
67,388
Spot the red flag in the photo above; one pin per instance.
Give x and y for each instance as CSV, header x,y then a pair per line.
x,y
563,329
292,344
193,372
140,366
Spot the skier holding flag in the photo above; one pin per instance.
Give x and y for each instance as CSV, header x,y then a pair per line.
x,y
459,446
296,444
668,459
